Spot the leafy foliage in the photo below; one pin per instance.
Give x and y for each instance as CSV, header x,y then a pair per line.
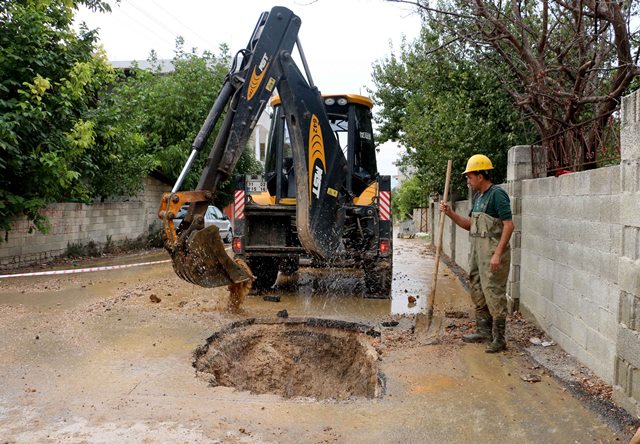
x,y
73,129
564,64
444,105
409,195
162,114
49,78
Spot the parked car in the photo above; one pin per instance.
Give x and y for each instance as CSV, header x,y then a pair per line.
x,y
213,216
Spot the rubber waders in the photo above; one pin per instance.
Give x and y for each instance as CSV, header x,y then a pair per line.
x,y
483,331
499,343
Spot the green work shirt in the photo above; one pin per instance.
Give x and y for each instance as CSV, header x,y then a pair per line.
x,y
494,202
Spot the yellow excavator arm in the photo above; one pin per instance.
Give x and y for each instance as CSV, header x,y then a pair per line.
x,y
198,253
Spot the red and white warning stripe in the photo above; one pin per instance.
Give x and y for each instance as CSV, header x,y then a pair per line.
x,y
385,205
238,205
80,270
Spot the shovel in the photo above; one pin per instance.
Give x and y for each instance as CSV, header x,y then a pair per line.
x,y
426,327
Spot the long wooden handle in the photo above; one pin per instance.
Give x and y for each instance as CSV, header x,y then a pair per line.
x,y
434,280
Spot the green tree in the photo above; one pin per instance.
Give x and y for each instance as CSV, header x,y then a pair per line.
x,y
49,77
409,195
73,129
444,105
161,115
564,63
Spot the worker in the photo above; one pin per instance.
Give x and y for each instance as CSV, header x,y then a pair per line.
x,y
490,227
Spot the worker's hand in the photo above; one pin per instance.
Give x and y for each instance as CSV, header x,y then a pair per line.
x,y
444,208
494,263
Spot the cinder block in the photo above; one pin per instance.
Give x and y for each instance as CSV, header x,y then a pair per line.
x,y
600,264
519,154
607,209
607,325
516,240
615,178
553,313
586,311
599,291
623,375
628,346
600,180
562,296
635,383
567,343
626,402
515,188
629,128
600,346
629,111
629,175
582,183
514,292
630,209
630,242
529,187
629,276
567,185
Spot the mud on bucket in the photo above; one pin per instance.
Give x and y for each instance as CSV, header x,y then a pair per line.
x,y
316,358
203,260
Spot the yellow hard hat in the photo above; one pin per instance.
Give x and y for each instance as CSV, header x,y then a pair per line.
x,y
478,162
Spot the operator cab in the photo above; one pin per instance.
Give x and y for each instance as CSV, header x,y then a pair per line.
x,y
350,119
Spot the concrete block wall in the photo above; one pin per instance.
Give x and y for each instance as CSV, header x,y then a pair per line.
x,y
627,361
568,273
76,223
455,240
519,167
462,244
576,256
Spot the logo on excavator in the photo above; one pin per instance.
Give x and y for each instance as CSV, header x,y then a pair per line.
x,y
256,79
317,165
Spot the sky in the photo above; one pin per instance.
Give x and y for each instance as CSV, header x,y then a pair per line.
x,y
341,39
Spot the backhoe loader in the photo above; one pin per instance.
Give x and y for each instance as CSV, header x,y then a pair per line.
x,y
320,197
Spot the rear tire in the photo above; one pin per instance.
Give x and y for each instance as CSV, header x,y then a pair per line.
x,y
229,237
265,271
377,278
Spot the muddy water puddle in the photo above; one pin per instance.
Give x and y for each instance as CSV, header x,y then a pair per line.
x,y
340,291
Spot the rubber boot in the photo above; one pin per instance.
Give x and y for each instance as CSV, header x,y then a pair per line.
x,y
483,331
499,343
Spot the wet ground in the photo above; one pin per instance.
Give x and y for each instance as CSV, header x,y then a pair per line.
x,y
108,357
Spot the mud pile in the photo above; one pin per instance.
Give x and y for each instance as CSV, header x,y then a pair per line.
x,y
321,360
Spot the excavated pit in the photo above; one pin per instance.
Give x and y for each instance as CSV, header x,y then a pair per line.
x,y
316,358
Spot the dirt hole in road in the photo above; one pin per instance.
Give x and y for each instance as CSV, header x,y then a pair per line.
x,y
321,359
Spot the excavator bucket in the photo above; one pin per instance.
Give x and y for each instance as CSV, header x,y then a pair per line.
x,y
202,260
198,255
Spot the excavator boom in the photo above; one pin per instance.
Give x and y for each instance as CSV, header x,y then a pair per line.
x,y
198,253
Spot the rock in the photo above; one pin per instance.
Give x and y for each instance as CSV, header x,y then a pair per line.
x,y
548,343
411,299
531,378
535,341
283,314
155,299
271,298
